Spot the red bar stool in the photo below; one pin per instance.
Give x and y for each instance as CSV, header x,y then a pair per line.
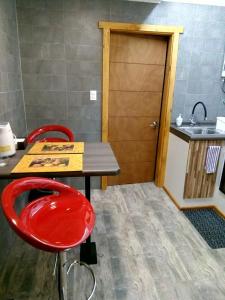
x,y
35,135
54,223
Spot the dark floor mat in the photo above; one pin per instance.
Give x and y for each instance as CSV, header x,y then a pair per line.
x,y
209,224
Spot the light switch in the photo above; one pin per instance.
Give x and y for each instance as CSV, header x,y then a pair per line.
x,y
93,95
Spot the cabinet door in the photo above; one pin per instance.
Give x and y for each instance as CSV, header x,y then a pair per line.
x,y
199,184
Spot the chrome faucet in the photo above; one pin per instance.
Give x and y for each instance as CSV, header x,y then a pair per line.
x,y
192,119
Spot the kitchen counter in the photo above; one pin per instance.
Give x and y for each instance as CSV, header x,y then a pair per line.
x,y
182,133
188,174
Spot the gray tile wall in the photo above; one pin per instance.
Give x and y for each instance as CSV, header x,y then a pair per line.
x,y
61,53
61,57
61,61
201,50
11,96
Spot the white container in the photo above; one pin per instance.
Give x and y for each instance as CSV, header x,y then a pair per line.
x,y
220,123
7,140
179,120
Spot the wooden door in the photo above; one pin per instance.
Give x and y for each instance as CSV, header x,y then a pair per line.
x,y
137,65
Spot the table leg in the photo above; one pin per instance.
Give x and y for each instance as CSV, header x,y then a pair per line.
x,y
88,196
88,252
88,187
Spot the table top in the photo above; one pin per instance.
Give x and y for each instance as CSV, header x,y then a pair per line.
x,y
98,160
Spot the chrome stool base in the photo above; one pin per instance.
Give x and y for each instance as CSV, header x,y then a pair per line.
x,y
61,262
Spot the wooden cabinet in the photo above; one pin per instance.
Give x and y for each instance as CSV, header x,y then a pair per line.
x,y
199,184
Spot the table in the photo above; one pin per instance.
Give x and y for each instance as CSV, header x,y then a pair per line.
x,y
98,160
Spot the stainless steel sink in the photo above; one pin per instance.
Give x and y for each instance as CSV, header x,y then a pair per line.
x,y
213,131
195,130
202,130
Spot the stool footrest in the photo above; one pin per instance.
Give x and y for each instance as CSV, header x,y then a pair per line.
x,y
81,263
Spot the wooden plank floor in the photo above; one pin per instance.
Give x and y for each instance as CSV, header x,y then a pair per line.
x,y
147,250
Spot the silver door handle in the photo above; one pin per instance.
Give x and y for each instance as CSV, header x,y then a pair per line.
x,y
154,124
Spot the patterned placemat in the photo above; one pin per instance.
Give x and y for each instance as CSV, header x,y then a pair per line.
x,y
57,148
49,163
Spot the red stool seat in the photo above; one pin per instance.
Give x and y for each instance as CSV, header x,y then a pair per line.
x,y
53,223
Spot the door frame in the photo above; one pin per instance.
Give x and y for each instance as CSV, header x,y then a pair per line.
x,y
173,33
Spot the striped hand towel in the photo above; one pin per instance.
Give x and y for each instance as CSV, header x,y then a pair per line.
x,y
212,157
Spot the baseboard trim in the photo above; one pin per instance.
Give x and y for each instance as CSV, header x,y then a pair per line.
x,y
172,197
222,214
